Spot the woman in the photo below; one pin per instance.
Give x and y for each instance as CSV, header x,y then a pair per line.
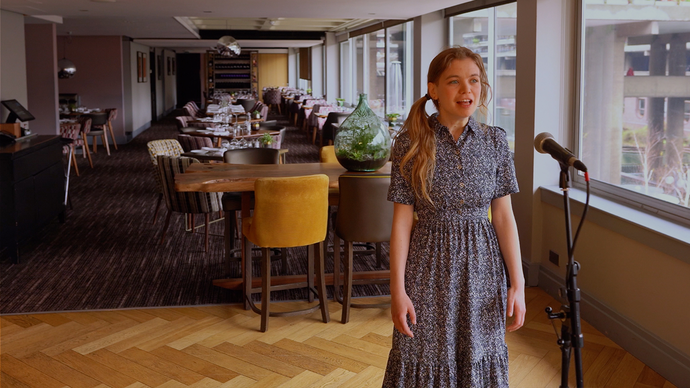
x,y
448,283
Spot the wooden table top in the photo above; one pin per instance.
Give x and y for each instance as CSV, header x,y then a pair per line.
x,y
218,158
224,177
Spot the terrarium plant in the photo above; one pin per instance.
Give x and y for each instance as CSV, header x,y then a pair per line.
x,y
362,143
266,140
392,117
256,114
340,101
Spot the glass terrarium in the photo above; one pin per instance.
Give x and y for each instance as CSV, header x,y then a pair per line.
x,y
363,142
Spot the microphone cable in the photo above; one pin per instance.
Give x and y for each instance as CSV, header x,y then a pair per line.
x,y
579,226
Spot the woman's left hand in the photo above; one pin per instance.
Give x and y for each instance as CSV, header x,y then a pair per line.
x,y
516,307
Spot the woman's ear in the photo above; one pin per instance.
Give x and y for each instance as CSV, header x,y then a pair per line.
x,y
432,91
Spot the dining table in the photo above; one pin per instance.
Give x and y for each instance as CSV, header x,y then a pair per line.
x,y
229,135
217,155
225,177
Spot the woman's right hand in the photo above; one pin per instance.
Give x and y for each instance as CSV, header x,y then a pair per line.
x,y
401,306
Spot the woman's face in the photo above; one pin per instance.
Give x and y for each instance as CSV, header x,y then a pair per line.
x,y
458,91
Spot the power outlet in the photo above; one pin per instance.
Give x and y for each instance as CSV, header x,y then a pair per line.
x,y
553,257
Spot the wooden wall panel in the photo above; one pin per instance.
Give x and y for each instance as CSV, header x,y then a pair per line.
x,y
273,71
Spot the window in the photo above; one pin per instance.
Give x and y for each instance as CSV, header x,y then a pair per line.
x,y
491,32
345,71
376,68
379,64
641,154
398,66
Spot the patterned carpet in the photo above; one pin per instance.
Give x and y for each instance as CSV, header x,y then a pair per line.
x,y
106,255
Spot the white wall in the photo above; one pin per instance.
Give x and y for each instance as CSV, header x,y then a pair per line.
x,y
170,88
140,91
41,78
160,85
12,60
430,38
317,71
332,68
292,67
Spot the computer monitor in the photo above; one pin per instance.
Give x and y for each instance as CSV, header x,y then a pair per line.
x,y
17,111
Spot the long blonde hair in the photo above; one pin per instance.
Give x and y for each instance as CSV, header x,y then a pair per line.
x,y
422,150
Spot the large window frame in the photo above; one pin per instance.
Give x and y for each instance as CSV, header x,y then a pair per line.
x,y
353,81
491,16
633,199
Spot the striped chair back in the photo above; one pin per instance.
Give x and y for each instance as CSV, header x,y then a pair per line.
x,y
168,147
189,143
184,202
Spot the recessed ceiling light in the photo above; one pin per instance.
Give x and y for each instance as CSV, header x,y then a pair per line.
x,y
84,10
208,11
372,13
103,1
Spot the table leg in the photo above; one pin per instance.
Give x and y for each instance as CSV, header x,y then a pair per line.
x,y
246,253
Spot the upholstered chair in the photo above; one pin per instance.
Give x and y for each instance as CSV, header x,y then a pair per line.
x,y
85,123
232,202
71,131
183,125
364,215
288,212
112,115
185,202
99,125
189,143
272,99
327,154
167,147
327,131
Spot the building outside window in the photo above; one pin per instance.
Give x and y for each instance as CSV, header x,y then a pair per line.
x,y
491,32
636,56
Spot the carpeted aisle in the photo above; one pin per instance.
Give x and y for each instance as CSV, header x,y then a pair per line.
x,y
107,253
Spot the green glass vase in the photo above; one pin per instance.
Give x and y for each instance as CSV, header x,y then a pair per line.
x,y
362,142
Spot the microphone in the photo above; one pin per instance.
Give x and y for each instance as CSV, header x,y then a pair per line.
x,y
545,144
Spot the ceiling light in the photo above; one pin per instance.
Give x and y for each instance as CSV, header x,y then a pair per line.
x,y
103,1
227,46
66,68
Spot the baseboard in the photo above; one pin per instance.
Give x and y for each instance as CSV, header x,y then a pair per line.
x,y
655,352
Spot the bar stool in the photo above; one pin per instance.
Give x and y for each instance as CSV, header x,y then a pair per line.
x,y
364,215
288,212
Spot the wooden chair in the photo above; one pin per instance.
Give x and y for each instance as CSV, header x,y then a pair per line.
x,y
85,123
288,212
112,115
99,125
185,202
71,131
365,215
167,147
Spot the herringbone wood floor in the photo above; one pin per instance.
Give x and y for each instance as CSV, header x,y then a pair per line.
x,y
220,346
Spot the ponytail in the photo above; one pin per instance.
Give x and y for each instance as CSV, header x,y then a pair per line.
x,y
422,152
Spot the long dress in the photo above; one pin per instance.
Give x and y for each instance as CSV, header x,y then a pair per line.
x,y
455,275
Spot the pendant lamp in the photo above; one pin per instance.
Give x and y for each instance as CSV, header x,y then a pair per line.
x,y
66,68
227,46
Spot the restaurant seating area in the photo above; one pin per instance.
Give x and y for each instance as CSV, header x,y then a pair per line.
x,y
177,273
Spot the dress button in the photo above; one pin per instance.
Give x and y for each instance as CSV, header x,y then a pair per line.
x,y
462,185
459,166
462,202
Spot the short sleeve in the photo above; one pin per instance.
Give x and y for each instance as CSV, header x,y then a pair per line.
x,y
400,189
506,182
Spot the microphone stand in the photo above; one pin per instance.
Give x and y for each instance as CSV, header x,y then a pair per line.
x,y
570,339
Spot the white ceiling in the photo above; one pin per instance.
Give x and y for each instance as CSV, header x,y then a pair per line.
x,y
166,19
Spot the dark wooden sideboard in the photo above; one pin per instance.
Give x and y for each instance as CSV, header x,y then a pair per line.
x,y
32,189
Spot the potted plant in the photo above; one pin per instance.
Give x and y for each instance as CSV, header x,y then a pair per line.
x,y
340,101
256,114
266,140
392,117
